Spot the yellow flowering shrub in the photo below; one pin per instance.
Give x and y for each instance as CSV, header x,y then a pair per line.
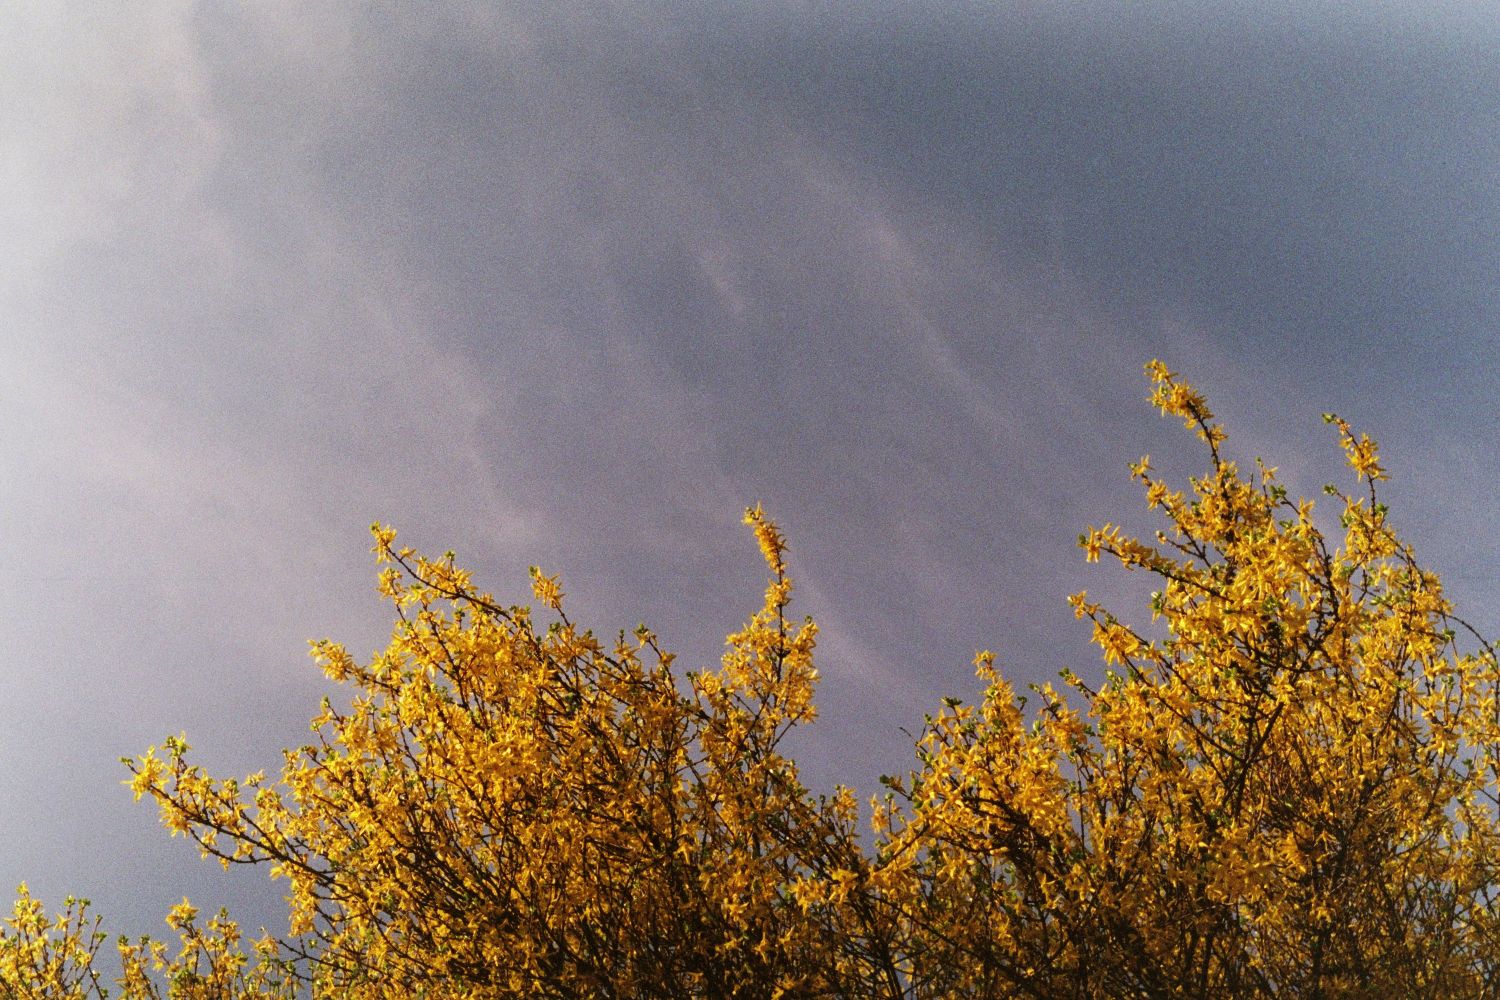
x,y
1290,792
55,958
512,808
1284,786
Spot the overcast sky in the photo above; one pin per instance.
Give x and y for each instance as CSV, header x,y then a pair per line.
x,y
572,285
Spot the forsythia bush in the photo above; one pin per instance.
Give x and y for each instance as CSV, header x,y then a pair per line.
x,y
1286,786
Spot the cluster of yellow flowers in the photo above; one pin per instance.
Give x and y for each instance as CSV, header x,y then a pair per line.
x,y
1293,794
1290,791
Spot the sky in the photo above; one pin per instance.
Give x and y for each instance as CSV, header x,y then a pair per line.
x,y
573,284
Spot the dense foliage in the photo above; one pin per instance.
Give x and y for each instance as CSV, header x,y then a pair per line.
x,y
1285,786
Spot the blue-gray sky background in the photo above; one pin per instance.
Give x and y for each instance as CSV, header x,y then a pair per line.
x,y
571,285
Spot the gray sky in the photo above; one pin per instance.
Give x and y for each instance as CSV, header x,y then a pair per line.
x,y
572,285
